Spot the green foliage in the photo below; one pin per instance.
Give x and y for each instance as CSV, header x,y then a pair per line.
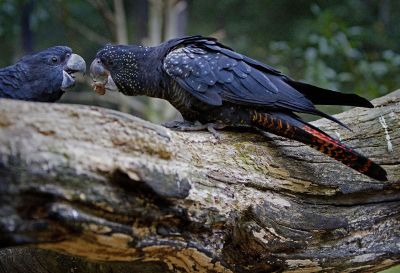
x,y
348,54
343,45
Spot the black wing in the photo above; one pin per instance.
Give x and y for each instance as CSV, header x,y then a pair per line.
x,y
214,73
316,95
10,82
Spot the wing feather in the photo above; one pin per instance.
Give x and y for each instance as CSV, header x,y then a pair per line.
x,y
214,73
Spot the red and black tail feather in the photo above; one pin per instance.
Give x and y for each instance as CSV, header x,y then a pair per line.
x,y
294,128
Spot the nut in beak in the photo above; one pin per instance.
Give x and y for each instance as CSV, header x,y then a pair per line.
x,y
102,80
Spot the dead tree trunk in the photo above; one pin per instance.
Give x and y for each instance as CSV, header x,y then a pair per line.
x,y
107,186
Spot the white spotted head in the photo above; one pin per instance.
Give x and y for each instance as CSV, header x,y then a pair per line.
x,y
126,65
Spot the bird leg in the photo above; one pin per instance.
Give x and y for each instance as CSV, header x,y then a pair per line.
x,y
188,126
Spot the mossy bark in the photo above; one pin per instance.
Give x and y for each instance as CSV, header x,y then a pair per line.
x,y
117,191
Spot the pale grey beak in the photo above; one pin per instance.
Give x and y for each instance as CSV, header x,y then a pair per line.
x,y
102,80
75,64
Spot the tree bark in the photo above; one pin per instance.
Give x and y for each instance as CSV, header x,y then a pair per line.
x,y
107,186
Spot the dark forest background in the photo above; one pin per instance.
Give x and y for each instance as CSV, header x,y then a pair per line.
x,y
347,45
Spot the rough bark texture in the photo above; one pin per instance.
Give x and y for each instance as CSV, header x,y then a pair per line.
x,y
106,186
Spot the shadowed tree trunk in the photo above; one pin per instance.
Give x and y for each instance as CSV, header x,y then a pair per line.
x,y
125,194
26,29
120,22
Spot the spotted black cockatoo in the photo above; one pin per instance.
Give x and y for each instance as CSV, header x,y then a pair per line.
x,y
210,83
43,76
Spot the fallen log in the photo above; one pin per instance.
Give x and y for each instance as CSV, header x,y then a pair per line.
x,y
106,186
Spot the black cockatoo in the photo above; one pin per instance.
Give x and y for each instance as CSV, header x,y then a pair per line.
x,y
210,83
43,76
